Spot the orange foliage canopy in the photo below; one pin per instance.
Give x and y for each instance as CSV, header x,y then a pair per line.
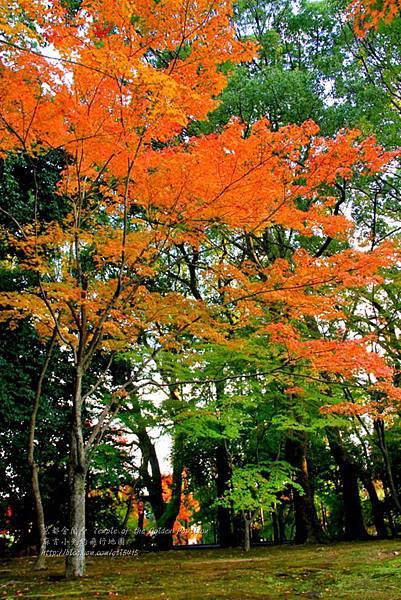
x,y
112,75
108,80
252,183
116,83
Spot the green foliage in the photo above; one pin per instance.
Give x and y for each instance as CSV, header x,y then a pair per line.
x,y
257,486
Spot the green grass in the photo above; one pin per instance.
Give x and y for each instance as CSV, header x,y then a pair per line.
x,y
354,571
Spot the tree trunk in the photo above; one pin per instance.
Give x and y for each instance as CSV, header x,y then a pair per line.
x,y
126,518
389,512
226,523
307,526
278,524
354,528
75,563
377,508
171,508
223,478
75,560
141,521
39,512
281,522
40,518
381,438
247,531
276,529
165,512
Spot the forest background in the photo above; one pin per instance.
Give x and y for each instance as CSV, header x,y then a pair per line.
x,y
200,217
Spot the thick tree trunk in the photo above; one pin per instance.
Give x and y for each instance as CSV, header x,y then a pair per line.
x,y
354,527
307,526
377,508
165,512
165,522
75,560
164,537
75,563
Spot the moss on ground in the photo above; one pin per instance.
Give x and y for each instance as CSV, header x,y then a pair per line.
x,y
354,571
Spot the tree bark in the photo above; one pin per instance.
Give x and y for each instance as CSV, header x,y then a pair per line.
x,y
166,520
75,563
75,559
377,507
40,518
276,528
141,521
223,478
247,531
165,512
39,511
354,527
307,526
381,438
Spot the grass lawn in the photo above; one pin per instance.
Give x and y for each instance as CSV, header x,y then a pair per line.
x,y
355,571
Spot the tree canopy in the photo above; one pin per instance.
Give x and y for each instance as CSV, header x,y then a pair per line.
x,y
200,240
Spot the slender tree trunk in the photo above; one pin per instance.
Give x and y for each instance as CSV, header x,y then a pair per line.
x,y
354,527
128,511
278,524
276,530
381,438
223,478
307,526
75,560
247,531
226,526
39,511
324,517
389,512
40,519
281,522
141,522
126,517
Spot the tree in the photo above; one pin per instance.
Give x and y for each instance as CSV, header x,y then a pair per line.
x,y
18,176
254,487
117,93
120,81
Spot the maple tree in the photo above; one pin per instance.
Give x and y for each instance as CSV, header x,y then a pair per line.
x,y
117,86
367,14
121,78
